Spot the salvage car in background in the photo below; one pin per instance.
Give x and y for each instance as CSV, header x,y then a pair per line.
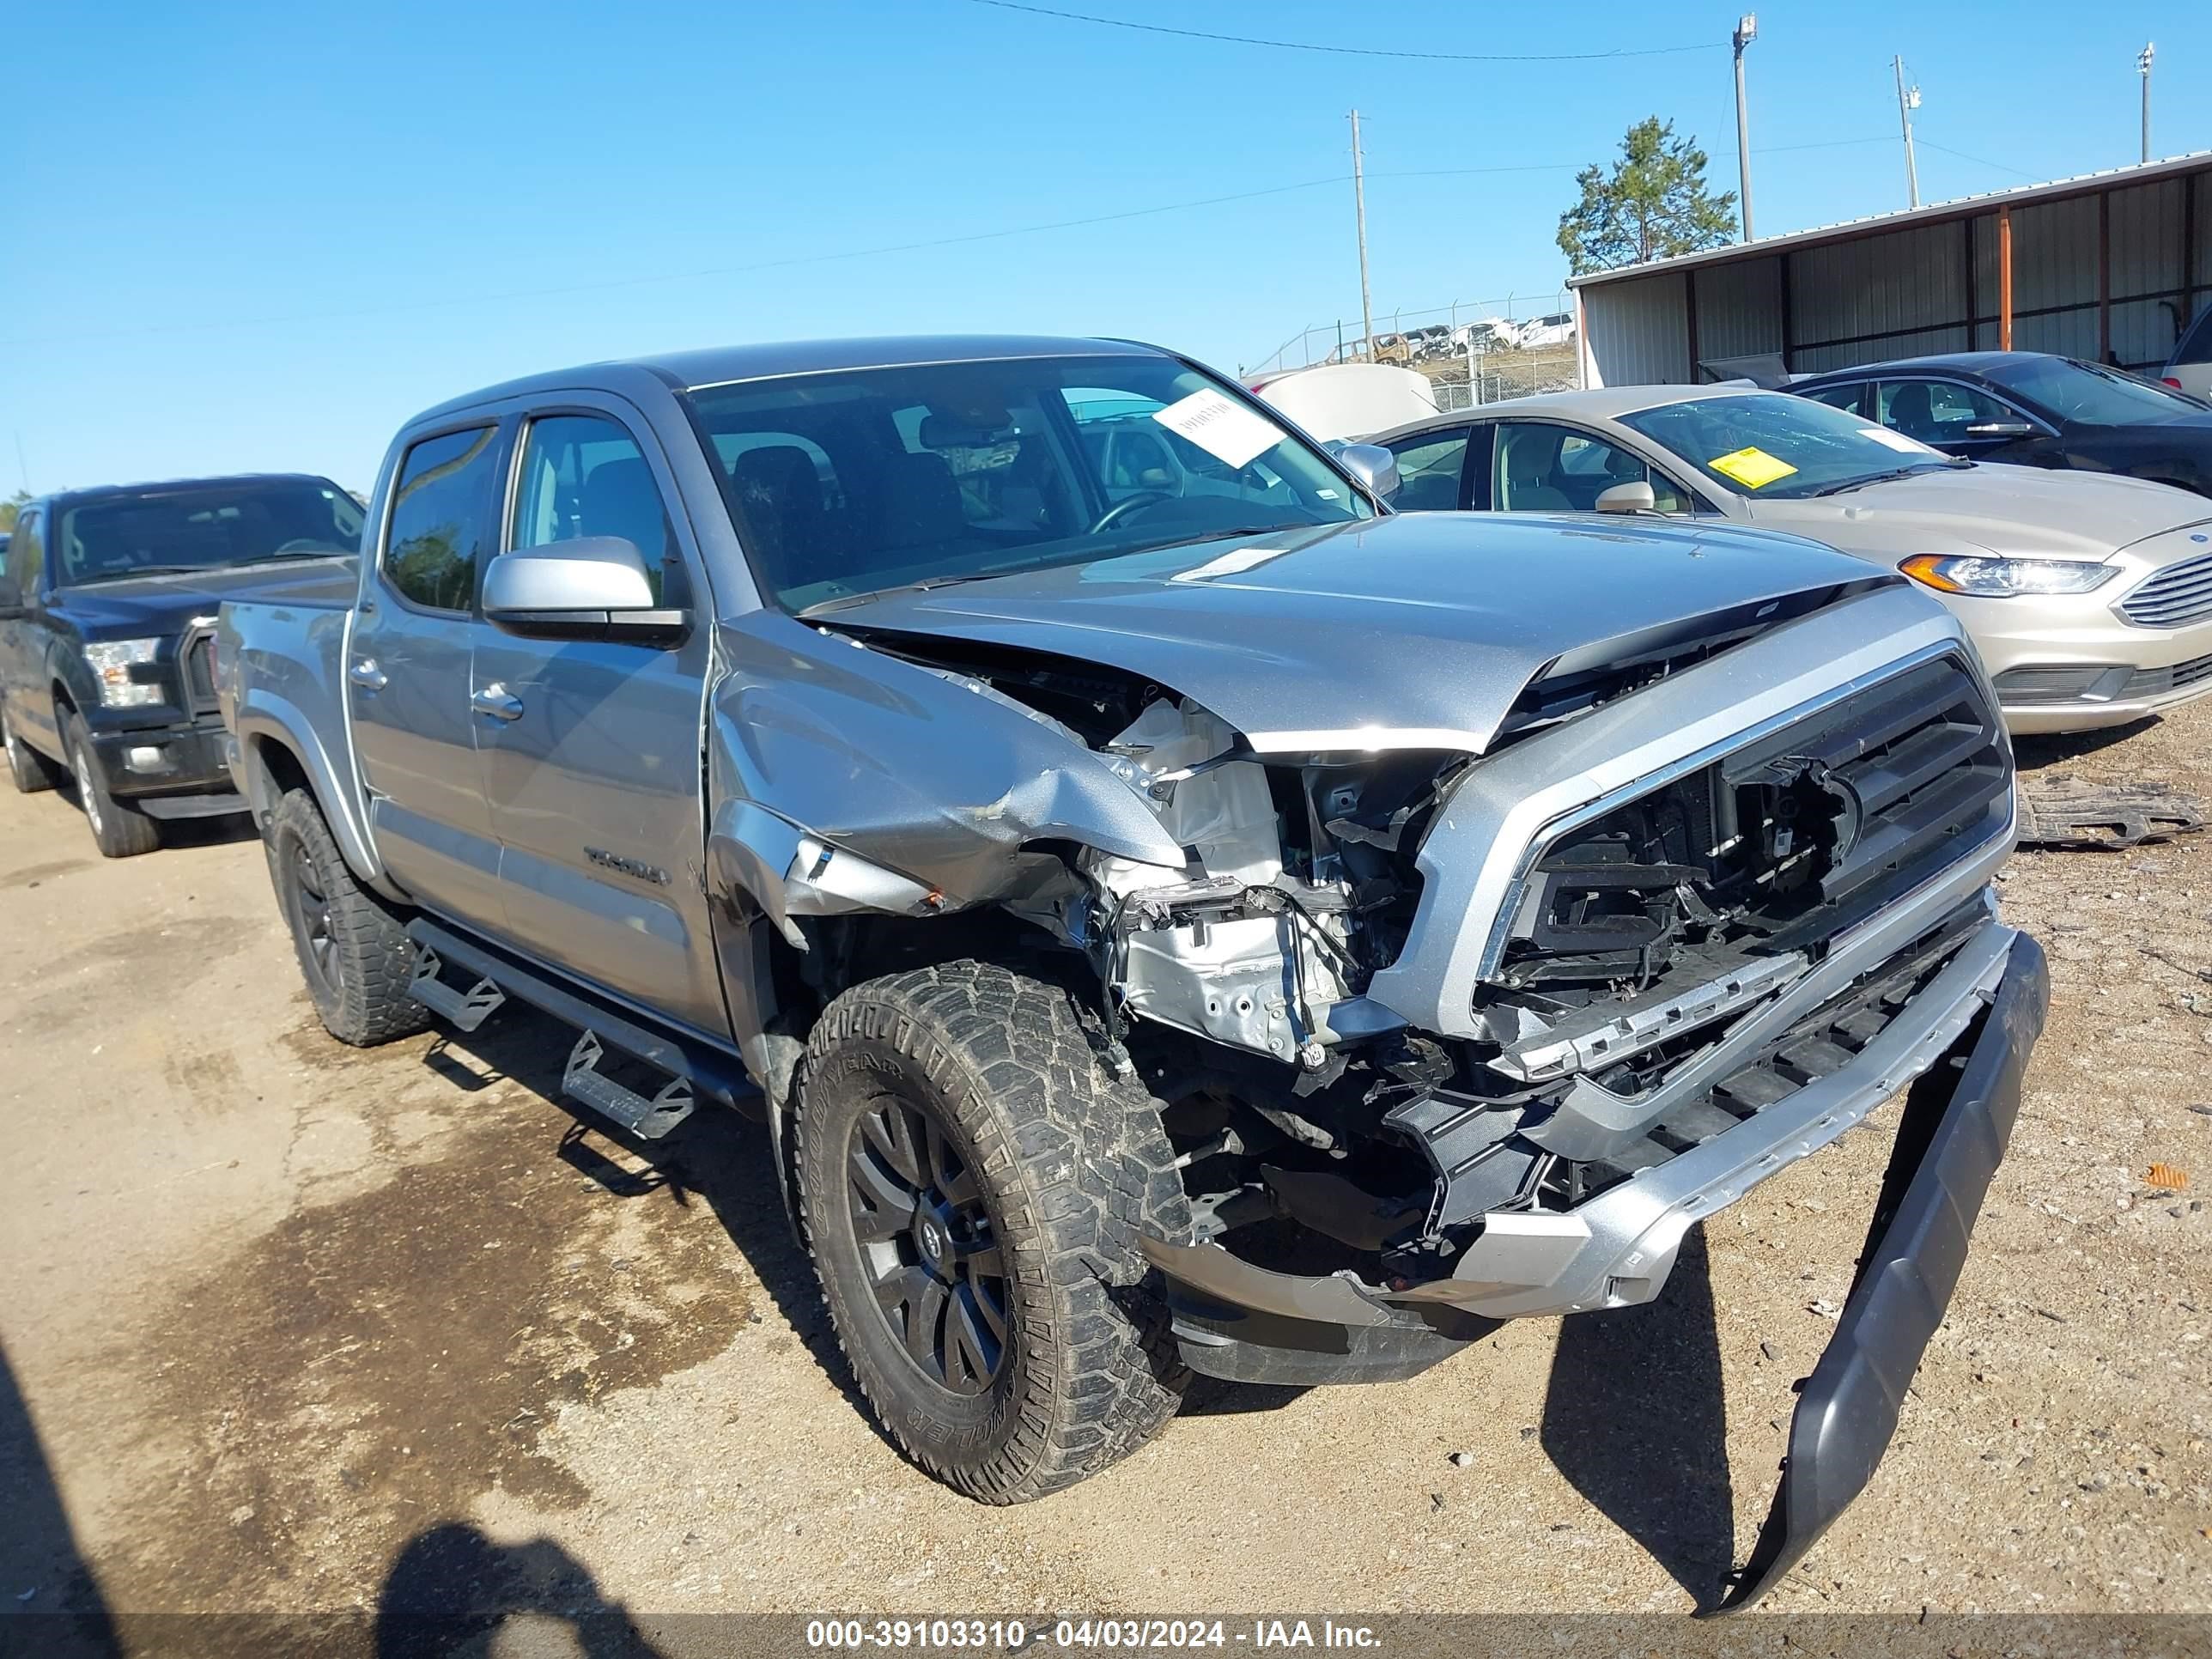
x,y
2089,597
2032,409
108,604
1245,931
2189,368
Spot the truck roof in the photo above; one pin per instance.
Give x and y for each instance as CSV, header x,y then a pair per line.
x,y
162,486
721,365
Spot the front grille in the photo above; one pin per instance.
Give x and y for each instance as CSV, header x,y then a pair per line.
x,y
2157,682
2179,594
1778,846
196,665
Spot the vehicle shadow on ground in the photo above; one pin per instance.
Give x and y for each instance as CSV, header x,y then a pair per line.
x,y
50,1602
1635,1419
2033,753
717,1157
450,1588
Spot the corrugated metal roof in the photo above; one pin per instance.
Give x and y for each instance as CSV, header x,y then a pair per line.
x,y
1933,213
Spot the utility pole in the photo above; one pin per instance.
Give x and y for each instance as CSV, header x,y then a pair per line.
x,y
2142,63
1359,206
1747,31
1907,101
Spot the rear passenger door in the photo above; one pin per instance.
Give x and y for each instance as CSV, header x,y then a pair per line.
x,y
407,673
591,756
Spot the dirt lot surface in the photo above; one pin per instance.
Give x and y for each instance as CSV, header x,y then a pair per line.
x,y
290,1326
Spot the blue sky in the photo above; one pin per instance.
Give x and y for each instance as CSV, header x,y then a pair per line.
x,y
259,236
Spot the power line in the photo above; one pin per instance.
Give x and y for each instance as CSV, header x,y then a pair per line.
x,y
1349,51
1999,166
682,275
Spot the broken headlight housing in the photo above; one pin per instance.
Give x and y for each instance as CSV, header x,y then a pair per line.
x,y
112,661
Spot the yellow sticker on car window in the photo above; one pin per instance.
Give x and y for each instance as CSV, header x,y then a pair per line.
x,y
1752,466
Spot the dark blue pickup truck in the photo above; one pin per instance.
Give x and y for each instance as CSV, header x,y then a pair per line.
x,y
107,606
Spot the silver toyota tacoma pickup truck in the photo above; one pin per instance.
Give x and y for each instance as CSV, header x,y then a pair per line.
x,y
1173,912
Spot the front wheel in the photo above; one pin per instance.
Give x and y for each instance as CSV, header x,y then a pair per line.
x,y
354,952
30,771
972,1185
120,831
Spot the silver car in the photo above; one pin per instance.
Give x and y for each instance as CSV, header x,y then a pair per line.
x,y
2089,597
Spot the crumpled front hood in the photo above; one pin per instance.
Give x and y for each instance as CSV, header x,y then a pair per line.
x,y
1411,631
2000,509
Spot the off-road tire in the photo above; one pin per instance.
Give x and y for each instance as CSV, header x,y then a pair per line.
x,y
30,771
1073,1165
359,962
118,829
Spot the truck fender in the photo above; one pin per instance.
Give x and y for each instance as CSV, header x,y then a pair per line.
x,y
271,719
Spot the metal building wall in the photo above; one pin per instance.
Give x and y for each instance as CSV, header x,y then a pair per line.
x,y
1739,309
1890,295
1639,333
1926,287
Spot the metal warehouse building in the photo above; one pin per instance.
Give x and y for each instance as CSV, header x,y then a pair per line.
x,y
2109,266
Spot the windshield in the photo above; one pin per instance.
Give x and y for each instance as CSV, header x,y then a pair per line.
x,y
2087,395
1766,444
860,480
204,526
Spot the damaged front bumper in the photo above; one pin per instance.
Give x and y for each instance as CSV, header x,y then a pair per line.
x,y
1967,1038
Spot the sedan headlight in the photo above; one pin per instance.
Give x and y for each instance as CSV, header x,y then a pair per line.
x,y
2004,579
110,661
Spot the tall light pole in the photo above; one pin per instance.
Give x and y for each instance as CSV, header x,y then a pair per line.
x,y
1908,99
1359,207
2142,63
1747,31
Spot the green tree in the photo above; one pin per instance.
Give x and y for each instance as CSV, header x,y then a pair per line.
x,y
11,507
1654,204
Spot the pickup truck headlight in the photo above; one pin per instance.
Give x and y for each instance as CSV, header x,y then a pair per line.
x,y
2004,579
111,662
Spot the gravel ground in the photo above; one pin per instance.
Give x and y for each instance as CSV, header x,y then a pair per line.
x,y
288,1326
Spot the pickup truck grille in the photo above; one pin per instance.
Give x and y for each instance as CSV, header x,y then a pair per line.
x,y
2179,594
1778,846
196,669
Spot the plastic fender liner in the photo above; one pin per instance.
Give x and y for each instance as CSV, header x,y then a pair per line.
x,y
1958,1119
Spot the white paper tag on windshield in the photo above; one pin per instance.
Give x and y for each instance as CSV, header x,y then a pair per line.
x,y
1220,426
1882,434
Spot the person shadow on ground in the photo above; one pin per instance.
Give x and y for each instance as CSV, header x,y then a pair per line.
x,y
51,1602
1635,1419
452,1588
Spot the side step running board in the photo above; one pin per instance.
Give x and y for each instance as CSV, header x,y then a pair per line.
x,y
646,1119
464,1010
695,1068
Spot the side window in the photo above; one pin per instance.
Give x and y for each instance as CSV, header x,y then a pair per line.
x,y
27,554
1548,468
442,518
1937,411
584,475
1429,468
1851,399
2195,345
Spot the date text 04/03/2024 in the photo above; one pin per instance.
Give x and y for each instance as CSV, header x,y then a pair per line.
x,y
1014,1635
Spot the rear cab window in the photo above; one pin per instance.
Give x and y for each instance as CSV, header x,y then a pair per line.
x,y
442,518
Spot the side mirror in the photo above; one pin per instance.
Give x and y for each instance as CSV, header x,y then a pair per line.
x,y
1375,468
2000,429
591,588
1634,497
11,600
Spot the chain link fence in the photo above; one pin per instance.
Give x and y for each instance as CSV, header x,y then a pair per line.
x,y
1473,351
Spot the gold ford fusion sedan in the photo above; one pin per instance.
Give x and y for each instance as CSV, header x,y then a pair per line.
x,y
2089,597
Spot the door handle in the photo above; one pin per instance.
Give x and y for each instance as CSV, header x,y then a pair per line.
x,y
497,702
367,675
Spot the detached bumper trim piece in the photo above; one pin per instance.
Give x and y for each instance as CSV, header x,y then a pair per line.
x,y
1957,1122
